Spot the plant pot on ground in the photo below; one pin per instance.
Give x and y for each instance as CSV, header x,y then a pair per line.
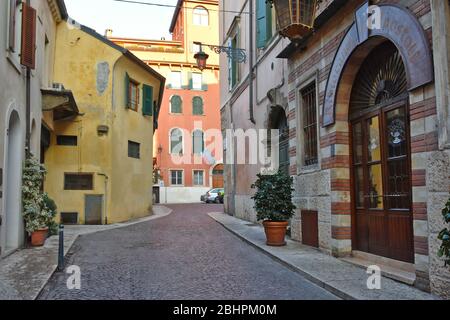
x,y
39,209
273,204
38,237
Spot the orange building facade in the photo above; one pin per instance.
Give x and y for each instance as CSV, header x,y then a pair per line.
x,y
188,142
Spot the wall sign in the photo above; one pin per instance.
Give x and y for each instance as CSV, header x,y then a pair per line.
x,y
396,24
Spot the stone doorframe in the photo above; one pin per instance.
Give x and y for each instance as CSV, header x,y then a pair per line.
x,y
355,47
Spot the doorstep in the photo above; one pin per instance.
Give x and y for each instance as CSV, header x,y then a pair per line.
x,y
343,279
393,269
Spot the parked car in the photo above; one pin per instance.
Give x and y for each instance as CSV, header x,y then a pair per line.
x,y
212,196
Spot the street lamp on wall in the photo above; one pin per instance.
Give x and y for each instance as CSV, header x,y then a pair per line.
x,y
295,17
235,54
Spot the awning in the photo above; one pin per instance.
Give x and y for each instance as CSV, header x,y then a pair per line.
x,y
61,102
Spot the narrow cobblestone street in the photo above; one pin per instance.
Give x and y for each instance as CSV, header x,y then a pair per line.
x,y
186,255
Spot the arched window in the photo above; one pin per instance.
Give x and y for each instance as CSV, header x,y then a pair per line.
x,y
198,142
197,106
200,16
176,105
176,141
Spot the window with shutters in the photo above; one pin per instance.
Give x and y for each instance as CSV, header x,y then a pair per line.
x,y
200,16
176,177
176,142
78,181
198,142
176,105
197,106
147,100
134,150
199,178
28,43
309,124
133,95
67,140
233,66
264,23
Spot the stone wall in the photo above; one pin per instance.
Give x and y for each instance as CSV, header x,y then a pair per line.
x,y
438,184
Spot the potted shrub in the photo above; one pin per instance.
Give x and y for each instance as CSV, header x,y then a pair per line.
x,y
444,236
273,204
38,209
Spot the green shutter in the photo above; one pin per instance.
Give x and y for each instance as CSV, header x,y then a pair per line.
x,y
261,24
127,90
197,106
156,115
269,18
147,100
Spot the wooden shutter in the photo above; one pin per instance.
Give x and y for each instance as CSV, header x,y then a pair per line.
x,y
147,100
269,18
127,91
12,25
261,24
28,56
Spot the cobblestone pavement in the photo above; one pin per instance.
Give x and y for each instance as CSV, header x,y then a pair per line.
x,y
186,255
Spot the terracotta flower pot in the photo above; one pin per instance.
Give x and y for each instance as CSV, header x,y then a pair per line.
x,y
38,237
276,233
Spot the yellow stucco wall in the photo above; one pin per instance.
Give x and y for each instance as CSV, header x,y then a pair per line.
x,y
80,57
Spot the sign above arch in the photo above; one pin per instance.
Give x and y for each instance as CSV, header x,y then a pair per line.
x,y
394,23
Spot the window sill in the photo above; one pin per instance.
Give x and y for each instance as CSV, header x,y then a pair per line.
x,y
13,61
309,169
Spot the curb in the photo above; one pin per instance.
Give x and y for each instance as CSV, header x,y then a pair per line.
x,y
339,293
113,227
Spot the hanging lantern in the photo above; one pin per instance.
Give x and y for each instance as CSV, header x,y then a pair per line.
x,y
202,59
295,17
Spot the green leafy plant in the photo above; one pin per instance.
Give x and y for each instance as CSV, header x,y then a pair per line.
x,y
444,236
273,197
39,210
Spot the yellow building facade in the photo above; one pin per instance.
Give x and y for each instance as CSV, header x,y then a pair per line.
x,y
99,161
193,22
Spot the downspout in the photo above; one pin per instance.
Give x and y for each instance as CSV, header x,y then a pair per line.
x,y
28,109
251,48
105,198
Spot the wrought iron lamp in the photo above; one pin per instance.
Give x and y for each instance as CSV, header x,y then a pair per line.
x,y
295,17
234,54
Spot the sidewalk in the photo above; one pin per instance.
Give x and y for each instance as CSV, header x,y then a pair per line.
x,y
24,273
340,278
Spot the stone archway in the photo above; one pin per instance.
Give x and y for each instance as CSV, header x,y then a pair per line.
x,y
12,226
397,25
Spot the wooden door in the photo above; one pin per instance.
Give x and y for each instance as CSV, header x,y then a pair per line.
x,y
382,183
218,180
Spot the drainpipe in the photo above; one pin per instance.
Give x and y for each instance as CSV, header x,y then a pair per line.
x,y
251,46
105,216
28,109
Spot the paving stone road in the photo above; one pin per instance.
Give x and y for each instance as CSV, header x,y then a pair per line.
x,y
186,255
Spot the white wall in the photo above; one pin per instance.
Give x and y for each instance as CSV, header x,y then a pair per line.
x,y
181,194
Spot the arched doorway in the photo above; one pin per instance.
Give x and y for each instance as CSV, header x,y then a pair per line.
x,y
381,164
278,121
217,177
12,225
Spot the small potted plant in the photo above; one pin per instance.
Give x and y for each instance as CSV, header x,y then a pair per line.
x,y
444,236
38,209
273,204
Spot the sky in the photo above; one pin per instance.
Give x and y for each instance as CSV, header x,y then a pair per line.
x,y
125,19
